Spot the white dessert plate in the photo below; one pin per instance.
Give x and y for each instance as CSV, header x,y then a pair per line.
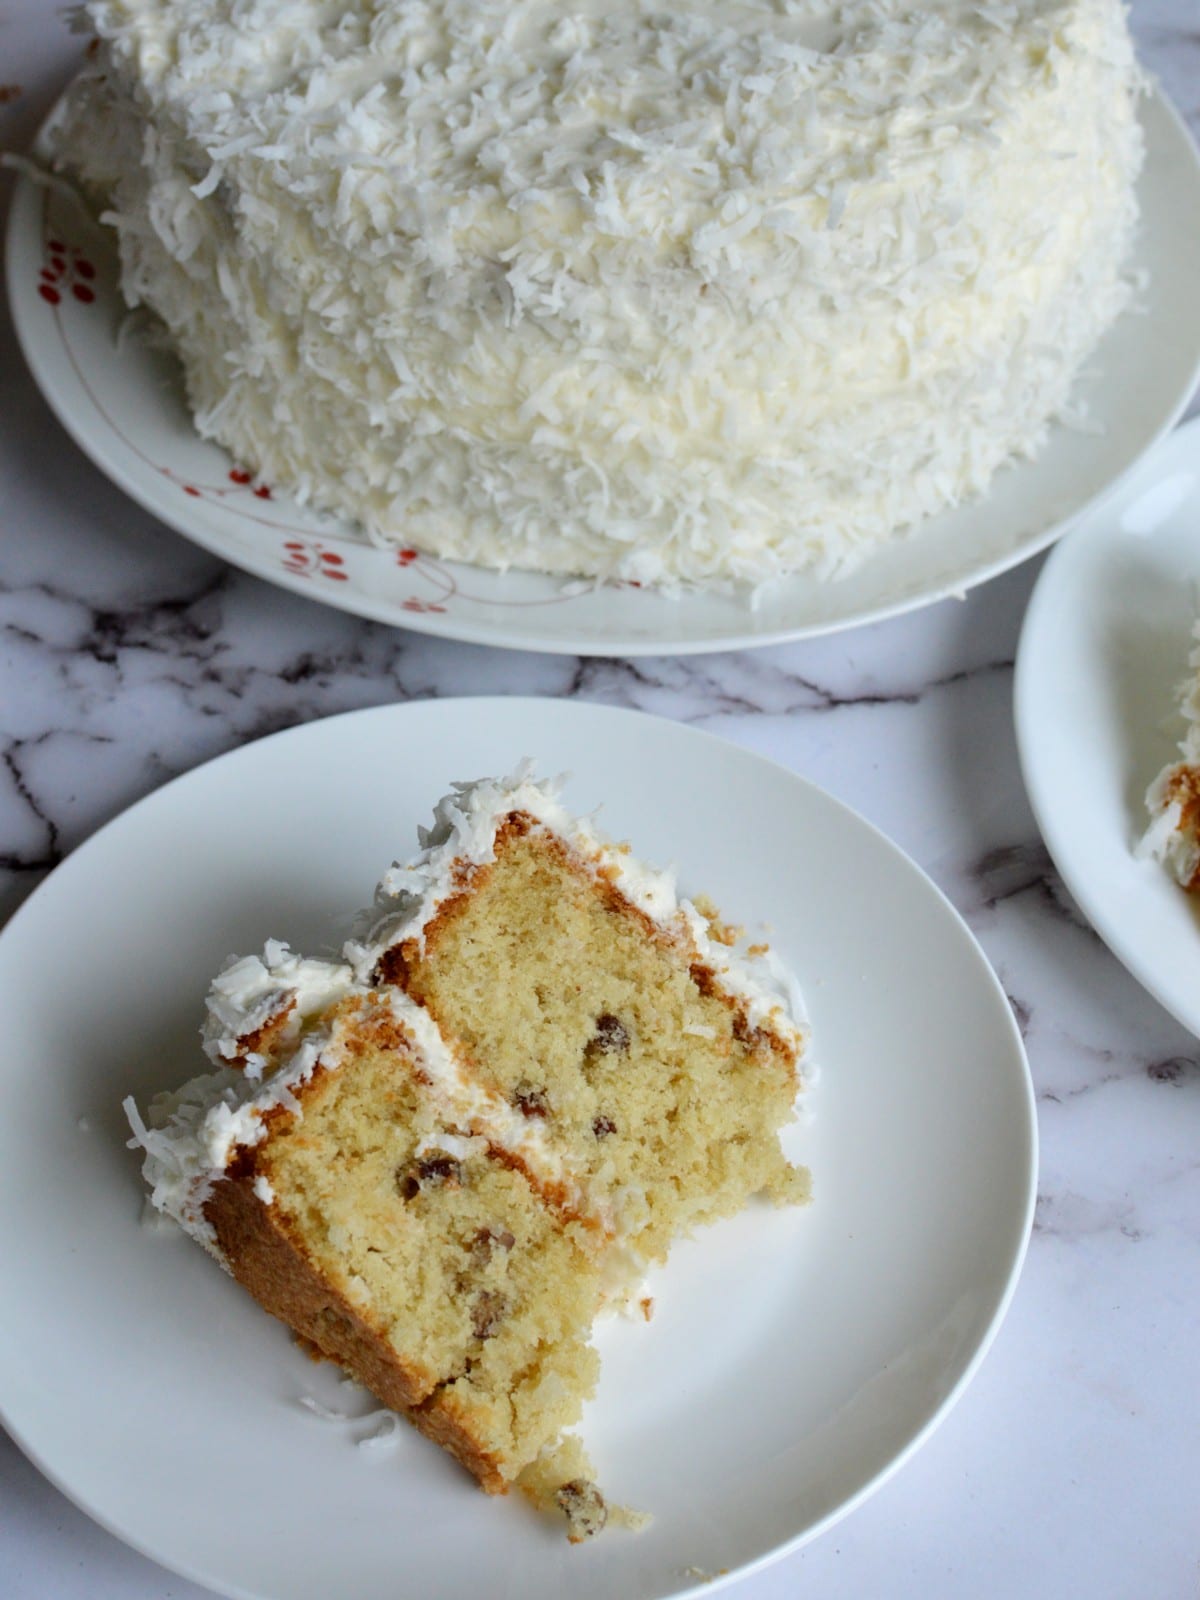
x,y
1103,649
122,402
796,1357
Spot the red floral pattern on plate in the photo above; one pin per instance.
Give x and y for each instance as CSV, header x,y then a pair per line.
x,y
66,270
238,477
309,558
242,479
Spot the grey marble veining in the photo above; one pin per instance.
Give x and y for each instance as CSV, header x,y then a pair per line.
x,y
127,656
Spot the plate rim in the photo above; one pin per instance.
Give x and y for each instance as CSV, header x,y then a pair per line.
x,y
1025,1100
1024,701
360,602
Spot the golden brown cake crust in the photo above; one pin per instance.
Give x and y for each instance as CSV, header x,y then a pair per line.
x,y
261,1039
268,1263
1183,789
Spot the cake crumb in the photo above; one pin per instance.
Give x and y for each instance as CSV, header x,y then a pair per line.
x,y
791,1188
584,1508
311,1350
647,1305
726,933
627,1517
562,1479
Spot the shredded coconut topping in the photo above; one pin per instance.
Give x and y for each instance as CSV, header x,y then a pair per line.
x,y
706,292
250,994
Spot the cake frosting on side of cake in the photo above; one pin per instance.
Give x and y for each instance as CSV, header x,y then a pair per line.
x,y
1173,799
440,1157
706,293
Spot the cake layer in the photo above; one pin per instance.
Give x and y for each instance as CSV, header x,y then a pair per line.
x,y
414,1255
708,292
609,1032
467,823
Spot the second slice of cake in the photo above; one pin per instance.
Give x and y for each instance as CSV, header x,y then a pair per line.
x,y
597,1005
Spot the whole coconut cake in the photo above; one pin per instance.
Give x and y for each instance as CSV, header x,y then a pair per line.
x,y
708,292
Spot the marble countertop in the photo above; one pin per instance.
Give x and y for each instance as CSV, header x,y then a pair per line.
x,y
1070,1466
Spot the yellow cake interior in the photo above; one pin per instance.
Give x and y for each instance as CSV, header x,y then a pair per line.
x,y
482,1293
587,1017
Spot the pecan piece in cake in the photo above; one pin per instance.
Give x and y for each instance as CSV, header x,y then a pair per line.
x,y
611,1036
437,1170
603,1126
487,1241
487,1313
583,1506
531,1101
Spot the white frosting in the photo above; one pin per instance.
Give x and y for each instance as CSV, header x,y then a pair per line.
x,y
710,291
251,991
1189,704
1176,845
191,1135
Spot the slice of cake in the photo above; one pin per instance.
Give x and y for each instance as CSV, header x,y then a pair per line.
x,y
596,1004
439,1159
1173,799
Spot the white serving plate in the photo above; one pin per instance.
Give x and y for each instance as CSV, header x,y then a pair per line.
x,y
1103,649
796,1357
123,404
